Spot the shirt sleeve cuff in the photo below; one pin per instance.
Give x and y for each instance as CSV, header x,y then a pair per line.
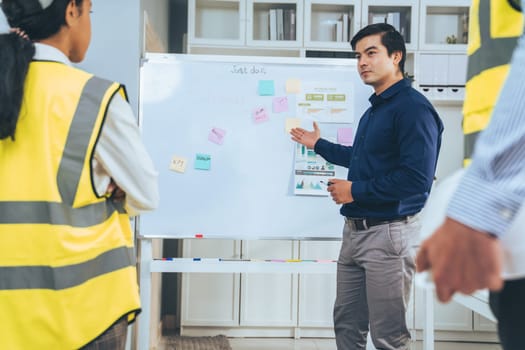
x,y
481,205
358,190
321,145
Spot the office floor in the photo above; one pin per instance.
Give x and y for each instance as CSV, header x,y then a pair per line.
x,y
329,344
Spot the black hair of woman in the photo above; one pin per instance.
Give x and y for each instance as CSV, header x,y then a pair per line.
x,y
38,20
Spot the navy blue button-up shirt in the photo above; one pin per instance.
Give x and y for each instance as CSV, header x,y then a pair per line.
x,y
393,159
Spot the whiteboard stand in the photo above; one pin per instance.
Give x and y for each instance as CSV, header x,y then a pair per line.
x,y
147,266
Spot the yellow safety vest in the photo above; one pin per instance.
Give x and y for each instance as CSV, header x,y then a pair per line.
x,y
494,28
67,267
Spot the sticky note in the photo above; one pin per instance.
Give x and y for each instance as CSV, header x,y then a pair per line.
x,y
280,104
178,164
345,136
216,135
293,86
260,115
291,123
202,161
266,88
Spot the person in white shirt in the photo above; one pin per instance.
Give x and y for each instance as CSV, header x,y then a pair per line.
x,y
481,243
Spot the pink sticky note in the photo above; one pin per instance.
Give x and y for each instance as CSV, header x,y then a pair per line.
x,y
216,135
345,136
260,115
280,104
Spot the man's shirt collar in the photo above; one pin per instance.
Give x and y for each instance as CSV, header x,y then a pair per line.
x,y
389,93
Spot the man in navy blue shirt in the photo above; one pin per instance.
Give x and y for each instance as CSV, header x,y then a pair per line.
x,y
391,167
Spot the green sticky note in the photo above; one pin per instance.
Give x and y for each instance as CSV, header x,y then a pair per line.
x,y
202,161
266,88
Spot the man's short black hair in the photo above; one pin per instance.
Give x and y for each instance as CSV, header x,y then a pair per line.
x,y
390,38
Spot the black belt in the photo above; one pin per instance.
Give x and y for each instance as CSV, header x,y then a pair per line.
x,y
365,223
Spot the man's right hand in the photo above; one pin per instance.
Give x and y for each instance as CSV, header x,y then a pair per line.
x,y
305,137
461,260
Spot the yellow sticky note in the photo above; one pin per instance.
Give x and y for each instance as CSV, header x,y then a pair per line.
x,y
292,123
293,86
178,164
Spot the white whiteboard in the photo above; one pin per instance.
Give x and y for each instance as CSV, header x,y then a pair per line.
x,y
248,192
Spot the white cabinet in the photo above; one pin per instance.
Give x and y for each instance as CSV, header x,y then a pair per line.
x,y
484,325
234,301
402,14
317,292
454,322
442,76
244,24
269,299
447,317
210,298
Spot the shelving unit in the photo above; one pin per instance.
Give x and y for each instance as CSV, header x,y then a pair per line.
x,y
439,68
243,27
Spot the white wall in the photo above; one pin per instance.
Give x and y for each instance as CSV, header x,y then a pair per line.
x,y
115,48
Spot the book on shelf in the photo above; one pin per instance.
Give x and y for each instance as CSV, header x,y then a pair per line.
x,y
393,18
342,29
346,27
339,31
289,24
280,24
272,15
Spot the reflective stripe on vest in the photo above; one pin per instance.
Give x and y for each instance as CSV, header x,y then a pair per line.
x,y
57,278
78,138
